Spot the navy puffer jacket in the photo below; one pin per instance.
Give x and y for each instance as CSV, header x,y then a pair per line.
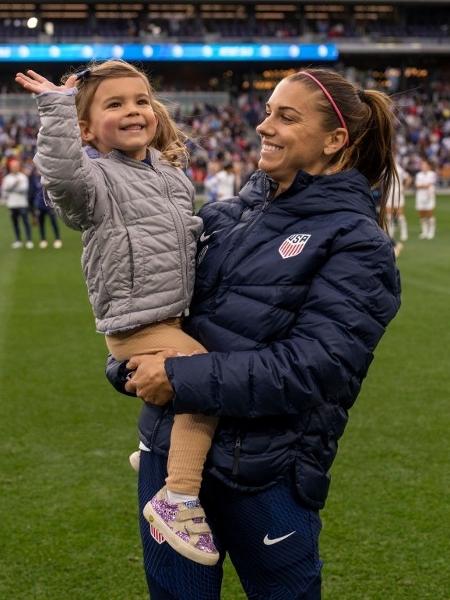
x,y
292,296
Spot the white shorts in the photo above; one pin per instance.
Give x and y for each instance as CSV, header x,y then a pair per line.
x,y
426,203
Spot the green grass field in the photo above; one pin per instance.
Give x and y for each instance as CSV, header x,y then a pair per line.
x,y
68,527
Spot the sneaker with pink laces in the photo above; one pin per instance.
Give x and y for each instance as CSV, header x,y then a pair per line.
x,y
184,527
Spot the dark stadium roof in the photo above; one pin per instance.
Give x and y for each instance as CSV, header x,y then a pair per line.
x,y
273,2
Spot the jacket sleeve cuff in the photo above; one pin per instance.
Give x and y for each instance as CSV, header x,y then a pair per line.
x,y
203,384
190,377
66,92
117,374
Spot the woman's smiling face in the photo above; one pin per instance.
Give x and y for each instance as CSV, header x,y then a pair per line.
x,y
292,137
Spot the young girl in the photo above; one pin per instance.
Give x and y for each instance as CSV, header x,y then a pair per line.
x,y
134,206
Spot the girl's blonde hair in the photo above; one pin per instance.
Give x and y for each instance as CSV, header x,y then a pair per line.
x,y
370,121
169,139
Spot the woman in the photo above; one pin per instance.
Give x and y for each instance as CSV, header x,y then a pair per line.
x,y
42,209
425,183
296,283
395,205
15,190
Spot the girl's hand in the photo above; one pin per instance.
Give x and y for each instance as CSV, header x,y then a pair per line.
x,y
149,380
35,83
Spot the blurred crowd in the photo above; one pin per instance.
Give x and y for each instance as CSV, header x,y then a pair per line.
x,y
424,131
223,139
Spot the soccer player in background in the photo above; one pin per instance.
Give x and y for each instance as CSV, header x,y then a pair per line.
x,y
425,183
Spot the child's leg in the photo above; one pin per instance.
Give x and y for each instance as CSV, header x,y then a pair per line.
x,y
190,442
191,434
175,510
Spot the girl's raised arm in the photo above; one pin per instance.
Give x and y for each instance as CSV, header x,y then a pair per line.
x,y
68,175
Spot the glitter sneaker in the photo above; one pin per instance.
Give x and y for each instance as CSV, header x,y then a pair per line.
x,y
184,527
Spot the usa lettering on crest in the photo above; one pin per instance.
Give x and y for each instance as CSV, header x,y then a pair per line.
x,y
293,245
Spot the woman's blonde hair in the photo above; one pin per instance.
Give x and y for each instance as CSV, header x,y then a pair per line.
x,y
370,121
169,139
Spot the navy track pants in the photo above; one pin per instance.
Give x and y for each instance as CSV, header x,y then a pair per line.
x,y
271,539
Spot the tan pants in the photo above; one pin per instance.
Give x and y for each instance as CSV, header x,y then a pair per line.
x,y
191,435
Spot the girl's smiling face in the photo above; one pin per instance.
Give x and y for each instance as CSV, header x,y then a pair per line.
x,y
121,117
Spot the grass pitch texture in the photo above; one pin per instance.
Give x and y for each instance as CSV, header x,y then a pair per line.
x,y
68,526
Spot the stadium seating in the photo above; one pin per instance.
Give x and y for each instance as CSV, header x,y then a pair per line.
x,y
227,130
185,21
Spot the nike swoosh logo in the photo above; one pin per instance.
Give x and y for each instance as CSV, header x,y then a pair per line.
x,y
204,237
269,542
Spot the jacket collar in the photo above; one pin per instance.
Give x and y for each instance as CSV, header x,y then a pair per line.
x,y
152,159
314,194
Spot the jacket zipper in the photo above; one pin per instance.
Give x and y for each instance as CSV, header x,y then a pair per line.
x,y
179,226
249,225
237,453
267,200
269,192
268,197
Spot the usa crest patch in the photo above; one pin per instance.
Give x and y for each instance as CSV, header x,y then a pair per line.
x,y
293,245
158,537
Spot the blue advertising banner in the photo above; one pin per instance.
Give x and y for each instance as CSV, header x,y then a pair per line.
x,y
167,52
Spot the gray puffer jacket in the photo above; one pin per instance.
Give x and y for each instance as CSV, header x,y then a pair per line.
x,y
139,230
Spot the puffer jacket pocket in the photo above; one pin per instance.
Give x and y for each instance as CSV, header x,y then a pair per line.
x,y
107,272
255,454
139,248
91,263
117,263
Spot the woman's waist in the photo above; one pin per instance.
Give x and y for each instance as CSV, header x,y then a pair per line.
x,y
252,440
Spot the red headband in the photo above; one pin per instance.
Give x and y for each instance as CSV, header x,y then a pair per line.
x,y
329,98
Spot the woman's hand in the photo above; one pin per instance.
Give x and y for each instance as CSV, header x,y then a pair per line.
x,y
35,83
149,380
